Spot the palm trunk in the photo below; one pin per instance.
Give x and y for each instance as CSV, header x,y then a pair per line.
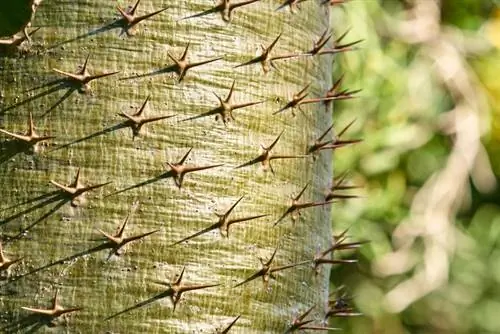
x,y
56,233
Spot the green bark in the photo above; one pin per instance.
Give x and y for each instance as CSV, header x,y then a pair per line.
x,y
37,223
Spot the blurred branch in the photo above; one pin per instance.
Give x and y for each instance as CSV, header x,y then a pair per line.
x,y
435,205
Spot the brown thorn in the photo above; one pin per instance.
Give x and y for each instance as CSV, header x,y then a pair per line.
x,y
137,120
225,109
182,65
5,262
117,240
30,137
292,4
130,19
18,38
314,147
265,157
224,7
296,100
267,269
83,77
264,58
299,322
325,37
179,170
222,224
335,2
176,288
296,206
76,188
54,312
228,327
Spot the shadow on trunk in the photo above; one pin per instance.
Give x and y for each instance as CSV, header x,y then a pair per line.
x,y
55,85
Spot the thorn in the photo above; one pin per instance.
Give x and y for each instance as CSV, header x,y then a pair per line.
x,y
30,137
339,185
76,188
224,7
117,240
131,19
5,262
18,38
318,143
82,78
225,109
317,46
340,306
292,4
264,58
299,99
179,170
267,270
296,206
266,157
226,330
335,94
340,47
182,65
137,120
296,100
176,288
335,2
339,244
299,323
222,224
54,312
337,142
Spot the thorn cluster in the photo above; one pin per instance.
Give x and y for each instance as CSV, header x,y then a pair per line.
x,y
338,184
30,138
225,109
18,38
335,94
267,270
5,262
177,288
225,7
340,307
130,18
55,311
265,59
337,142
182,65
337,48
137,120
266,157
300,323
299,99
117,241
178,170
223,223
296,206
339,244
76,188
82,78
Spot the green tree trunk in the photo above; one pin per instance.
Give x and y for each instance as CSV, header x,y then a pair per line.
x,y
58,236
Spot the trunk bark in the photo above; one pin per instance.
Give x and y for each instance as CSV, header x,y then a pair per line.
x,y
57,235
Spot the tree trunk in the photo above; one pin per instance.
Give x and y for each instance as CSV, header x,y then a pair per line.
x,y
57,234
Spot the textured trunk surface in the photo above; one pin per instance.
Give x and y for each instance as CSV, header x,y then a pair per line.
x,y
37,223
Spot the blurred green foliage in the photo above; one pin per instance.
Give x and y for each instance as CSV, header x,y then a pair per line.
x,y
398,113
